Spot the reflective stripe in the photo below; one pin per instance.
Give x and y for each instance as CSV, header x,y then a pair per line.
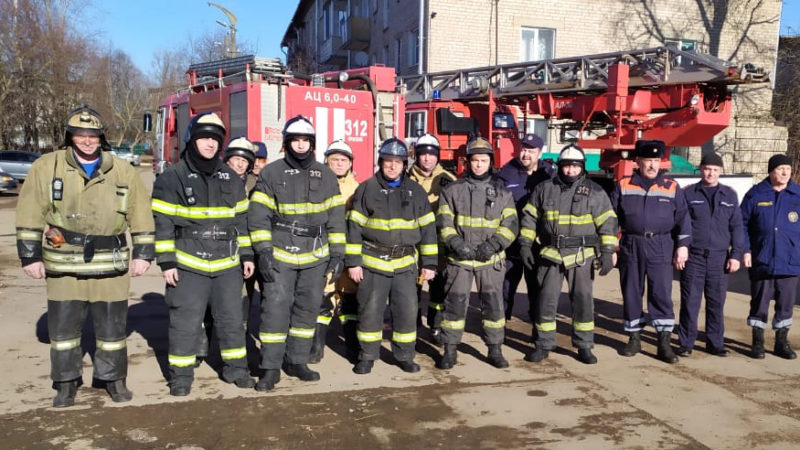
x,y
110,346
390,224
508,212
369,336
436,306
297,208
357,217
324,320
429,249
601,219
272,338
390,265
352,249
233,353
426,219
404,337
181,361
243,241
476,222
568,219
494,323
143,238
444,209
347,317
300,258
776,325
198,212
336,238
755,323
446,232
546,326
77,258
530,209
204,264
506,233
569,260
306,333
453,324
475,264
583,326
29,235
260,236
608,240
65,345
528,233
264,199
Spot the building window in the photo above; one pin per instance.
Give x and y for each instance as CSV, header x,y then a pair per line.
x,y
681,44
413,48
536,126
537,44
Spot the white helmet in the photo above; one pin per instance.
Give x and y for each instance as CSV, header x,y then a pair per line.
x,y
427,143
341,147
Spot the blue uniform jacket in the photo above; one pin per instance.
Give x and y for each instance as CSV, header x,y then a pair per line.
x,y
516,179
773,230
717,228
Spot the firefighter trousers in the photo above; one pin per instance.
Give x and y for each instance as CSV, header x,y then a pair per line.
x,y
401,291
489,282
289,309
435,299
187,304
704,274
783,289
65,320
550,278
346,307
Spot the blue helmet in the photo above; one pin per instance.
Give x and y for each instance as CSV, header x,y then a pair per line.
x,y
393,147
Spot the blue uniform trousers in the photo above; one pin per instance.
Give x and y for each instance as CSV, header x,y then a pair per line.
x,y
704,273
649,259
763,289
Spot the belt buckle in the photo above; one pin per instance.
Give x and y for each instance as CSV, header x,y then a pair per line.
x,y
649,234
395,250
560,240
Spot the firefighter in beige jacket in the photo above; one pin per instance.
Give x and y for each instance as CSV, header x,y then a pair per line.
x,y
72,217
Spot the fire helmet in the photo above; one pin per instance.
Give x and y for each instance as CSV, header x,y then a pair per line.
x,y
427,143
393,147
298,126
479,146
572,154
341,147
206,125
84,120
241,147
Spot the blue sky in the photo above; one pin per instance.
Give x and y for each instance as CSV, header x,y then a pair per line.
x,y
142,27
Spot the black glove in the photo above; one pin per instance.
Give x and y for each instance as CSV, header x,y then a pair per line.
x,y
335,267
606,263
265,266
526,255
461,248
484,251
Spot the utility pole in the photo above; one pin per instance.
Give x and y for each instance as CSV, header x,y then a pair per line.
x,y
230,46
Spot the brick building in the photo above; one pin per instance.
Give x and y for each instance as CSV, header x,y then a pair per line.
x,y
335,34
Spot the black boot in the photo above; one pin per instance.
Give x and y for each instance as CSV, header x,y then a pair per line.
x,y
180,387
118,391
65,393
318,344
408,366
537,355
449,358
665,352
586,356
269,380
301,371
782,347
496,358
633,346
758,343
363,367
351,340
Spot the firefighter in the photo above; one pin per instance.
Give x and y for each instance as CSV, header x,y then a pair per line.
x,y
339,158
520,176
390,223
716,250
572,218
653,217
240,155
296,221
203,249
429,174
770,214
478,222
83,201
262,158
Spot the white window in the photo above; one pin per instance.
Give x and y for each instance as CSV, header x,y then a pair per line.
x,y
413,48
537,44
537,127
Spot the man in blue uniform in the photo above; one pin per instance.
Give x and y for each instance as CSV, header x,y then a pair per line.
x,y
770,211
653,217
716,250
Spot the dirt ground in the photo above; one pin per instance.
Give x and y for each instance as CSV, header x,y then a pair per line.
x,y
702,402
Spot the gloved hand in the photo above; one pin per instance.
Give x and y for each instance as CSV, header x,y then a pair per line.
x,y
461,248
265,266
484,251
526,255
606,263
335,267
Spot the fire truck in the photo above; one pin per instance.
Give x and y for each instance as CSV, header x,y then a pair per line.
x,y
255,96
604,101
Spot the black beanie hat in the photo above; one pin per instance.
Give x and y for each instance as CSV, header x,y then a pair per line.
x,y
778,160
711,159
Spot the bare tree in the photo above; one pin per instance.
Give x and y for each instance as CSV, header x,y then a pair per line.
x,y
786,100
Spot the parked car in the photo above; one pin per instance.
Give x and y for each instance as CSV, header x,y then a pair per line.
x,y
17,163
7,182
127,154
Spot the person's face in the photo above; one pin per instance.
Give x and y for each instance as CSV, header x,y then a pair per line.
x,y
427,161
529,157
391,167
259,164
238,164
301,144
85,143
339,164
780,175
207,147
648,167
479,164
571,170
710,174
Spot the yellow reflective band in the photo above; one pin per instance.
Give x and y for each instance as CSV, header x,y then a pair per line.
x,y
28,235
272,338
546,326
444,210
352,249
192,212
181,361
369,336
306,333
601,219
528,233
347,317
110,346
427,219
243,241
260,236
233,353
530,209
446,232
508,212
476,222
264,199
764,204
404,337
494,323
204,264
506,233
475,264
608,240
436,306
336,238
242,205
77,258
453,324
143,239
300,258
324,320
390,265
583,326
357,217
309,208
429,249
65,345
390,224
